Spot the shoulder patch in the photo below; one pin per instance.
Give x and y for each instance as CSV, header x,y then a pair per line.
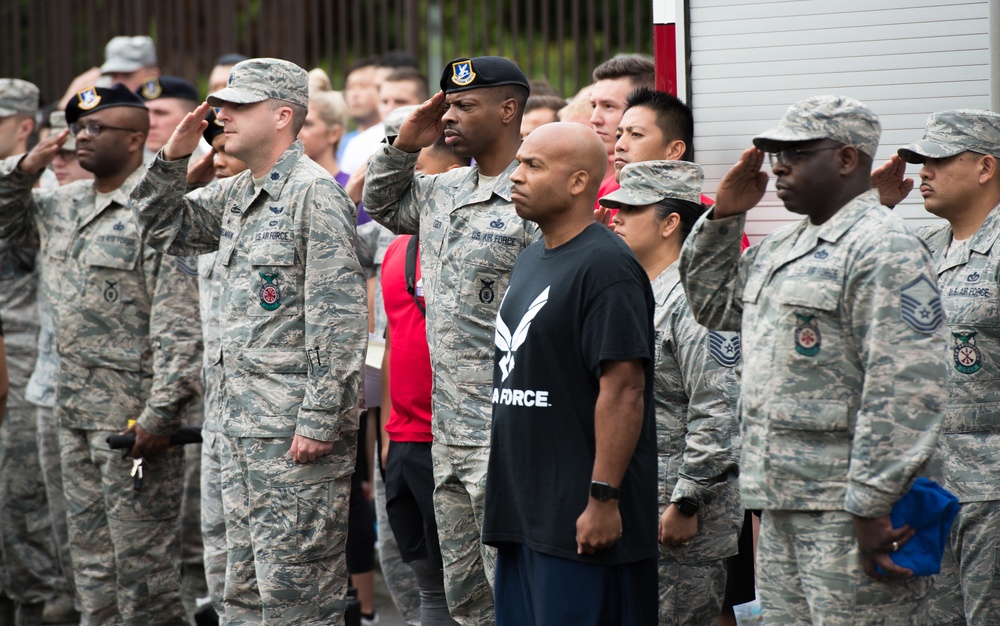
x,y
920,305
724,346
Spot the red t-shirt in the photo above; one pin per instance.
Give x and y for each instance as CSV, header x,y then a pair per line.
x,y
409,356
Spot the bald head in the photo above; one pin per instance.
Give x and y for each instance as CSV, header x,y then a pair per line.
x,y
560,167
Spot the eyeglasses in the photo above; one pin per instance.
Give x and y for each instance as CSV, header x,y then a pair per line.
x,y
94,129
790,156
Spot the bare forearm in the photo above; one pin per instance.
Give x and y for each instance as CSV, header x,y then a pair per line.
x,y
617,420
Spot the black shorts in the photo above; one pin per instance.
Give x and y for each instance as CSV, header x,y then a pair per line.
x,y
409,503
740,587
536,589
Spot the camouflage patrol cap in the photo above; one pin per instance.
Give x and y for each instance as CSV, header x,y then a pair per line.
x,y
649,182
951,132
17,97
124,55
214,128
93,99
394,120
57,122
839,118
256,80
463,74
168,87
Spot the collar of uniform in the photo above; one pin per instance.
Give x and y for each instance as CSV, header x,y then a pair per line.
x,y
118,196
475,193
665,283
986,236
834,228
275,180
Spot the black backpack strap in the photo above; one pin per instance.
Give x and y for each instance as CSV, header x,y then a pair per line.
x,y
411,272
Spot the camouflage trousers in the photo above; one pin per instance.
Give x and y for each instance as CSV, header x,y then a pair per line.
x,y
968,589
809,572
194,584
213,520
125,544
29,570
459,494
691,594
50,461
286,530
398,575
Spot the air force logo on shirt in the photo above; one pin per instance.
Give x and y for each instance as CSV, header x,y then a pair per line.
x,y
508,343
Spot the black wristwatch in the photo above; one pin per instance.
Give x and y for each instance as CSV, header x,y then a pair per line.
x,y
687,506
604,491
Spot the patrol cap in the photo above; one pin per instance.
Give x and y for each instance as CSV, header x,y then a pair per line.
x,y
93,99
17,97
215,127
256,80
839,118
123,55
57,122
394,120
649,182
168,87
463,74
952,132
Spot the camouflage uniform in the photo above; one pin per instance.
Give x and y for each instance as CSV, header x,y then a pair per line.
x,y
29,568
969,278
213,520
127,351
842,391
293,332
471,237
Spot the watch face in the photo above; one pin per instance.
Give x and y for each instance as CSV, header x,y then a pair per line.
x,y
603,491
687,507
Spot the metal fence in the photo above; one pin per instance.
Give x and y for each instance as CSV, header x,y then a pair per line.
x,y
50,41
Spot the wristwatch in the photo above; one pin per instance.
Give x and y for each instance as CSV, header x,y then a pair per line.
x,y
603,491
687,506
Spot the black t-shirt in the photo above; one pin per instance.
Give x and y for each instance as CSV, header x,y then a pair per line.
x,y
565,311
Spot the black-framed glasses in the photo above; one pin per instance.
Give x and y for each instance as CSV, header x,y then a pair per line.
x,y
790,156
94,129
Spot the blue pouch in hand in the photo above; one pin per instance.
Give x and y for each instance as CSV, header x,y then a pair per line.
x,y
929,509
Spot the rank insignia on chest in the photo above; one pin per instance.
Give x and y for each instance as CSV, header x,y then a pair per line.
x,y
724,346
270,291
807,336
968,358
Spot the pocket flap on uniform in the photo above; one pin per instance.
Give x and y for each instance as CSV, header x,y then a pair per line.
x,y
112,359
812,295
117,256
273,255
810,415
276,360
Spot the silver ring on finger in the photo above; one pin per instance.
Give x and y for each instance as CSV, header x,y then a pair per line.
x,y
895,546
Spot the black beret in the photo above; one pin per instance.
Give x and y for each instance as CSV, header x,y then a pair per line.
x,y
215,127
168,87
92,99
464,74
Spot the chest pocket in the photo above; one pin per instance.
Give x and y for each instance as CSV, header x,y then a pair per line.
x,y
109,259
276,280
808,325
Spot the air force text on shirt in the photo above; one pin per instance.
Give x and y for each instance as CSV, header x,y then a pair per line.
x,y
521,397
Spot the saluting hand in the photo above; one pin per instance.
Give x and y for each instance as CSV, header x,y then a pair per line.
x,y
187,135
423,127
742,187
891,182
43,153
202,170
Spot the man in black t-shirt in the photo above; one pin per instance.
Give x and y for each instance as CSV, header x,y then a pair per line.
x,y
571,488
